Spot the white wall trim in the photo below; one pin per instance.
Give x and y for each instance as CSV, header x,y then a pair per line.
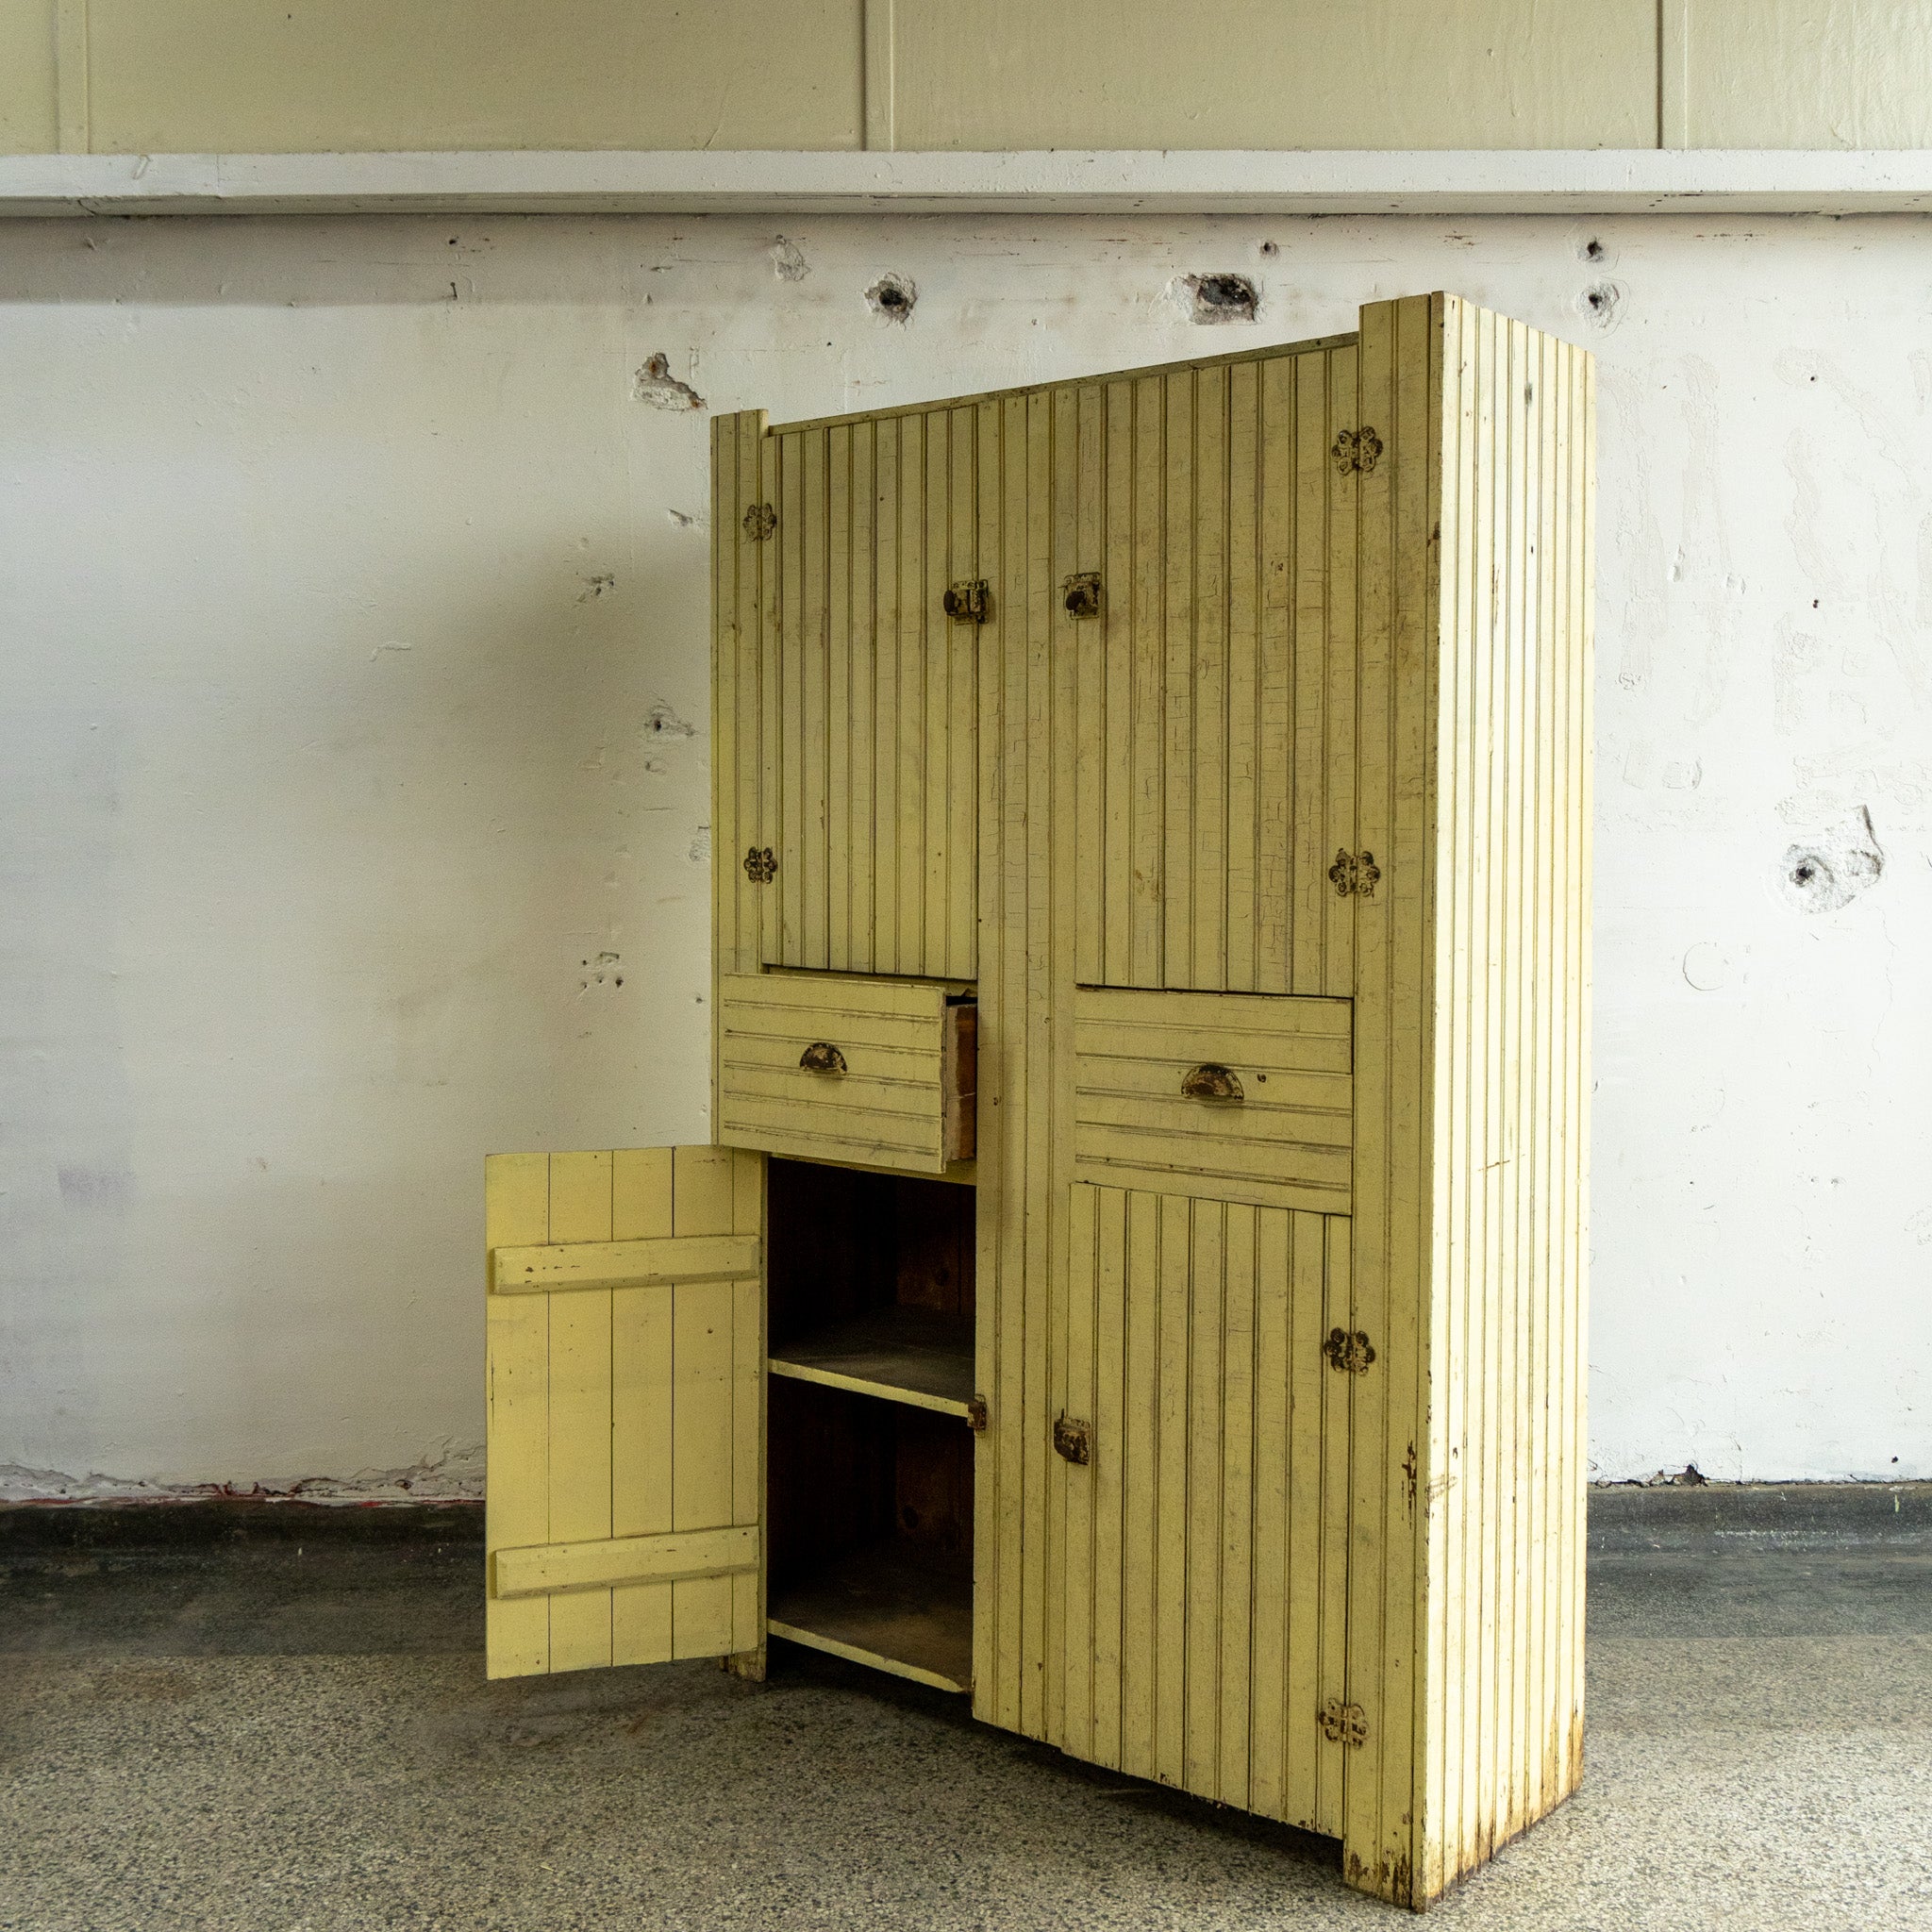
x,y
1461,182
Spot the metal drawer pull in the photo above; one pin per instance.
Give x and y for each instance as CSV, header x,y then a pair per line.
x,y
1210,1082
822,1056
1074,1441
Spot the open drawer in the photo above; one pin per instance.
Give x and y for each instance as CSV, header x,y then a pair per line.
x,y
838,1066
1238,1096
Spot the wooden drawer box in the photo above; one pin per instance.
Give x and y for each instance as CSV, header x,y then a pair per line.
x,y
836,1066
1237,1096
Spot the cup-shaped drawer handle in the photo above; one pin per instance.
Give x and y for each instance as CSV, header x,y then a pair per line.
x,y
1211,1082
822,1056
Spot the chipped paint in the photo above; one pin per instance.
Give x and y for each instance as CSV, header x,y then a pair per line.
x,y
285,956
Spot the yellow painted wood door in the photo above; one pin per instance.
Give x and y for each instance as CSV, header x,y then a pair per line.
x,y
625,1426
1197,1570
1215,694
869,696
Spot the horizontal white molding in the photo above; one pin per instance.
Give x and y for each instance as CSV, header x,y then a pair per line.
x,y
1460,182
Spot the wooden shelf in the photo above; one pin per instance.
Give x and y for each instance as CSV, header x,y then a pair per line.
x,y
881,1607
901,1355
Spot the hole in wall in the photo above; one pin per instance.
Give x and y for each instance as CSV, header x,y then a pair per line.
x,y
892,298
1214,298
1833,869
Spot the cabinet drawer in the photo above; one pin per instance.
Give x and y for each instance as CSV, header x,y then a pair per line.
x,y
834,1066
1240,1096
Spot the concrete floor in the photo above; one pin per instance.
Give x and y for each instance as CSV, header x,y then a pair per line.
x,y
270,1718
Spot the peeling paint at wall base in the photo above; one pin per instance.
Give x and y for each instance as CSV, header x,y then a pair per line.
x,y
454,1475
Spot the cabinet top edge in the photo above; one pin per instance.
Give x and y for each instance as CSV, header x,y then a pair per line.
x,y
1268,354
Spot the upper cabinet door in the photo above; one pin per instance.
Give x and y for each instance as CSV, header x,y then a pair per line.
x,y
849,785
1213,522
626,1411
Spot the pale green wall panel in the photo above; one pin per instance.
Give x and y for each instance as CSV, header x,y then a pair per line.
x,y
250,77
1845,73
27,121
1274,74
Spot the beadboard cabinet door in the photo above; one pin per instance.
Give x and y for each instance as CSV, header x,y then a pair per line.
x,y
853,766
1199,1550
1214,509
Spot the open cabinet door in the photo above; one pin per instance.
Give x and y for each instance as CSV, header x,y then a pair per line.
x,y
625,1424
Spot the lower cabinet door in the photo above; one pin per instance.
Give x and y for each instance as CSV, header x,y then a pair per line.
x,y
625,1520
1199,1499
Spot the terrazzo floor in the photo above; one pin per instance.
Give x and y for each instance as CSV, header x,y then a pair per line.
x,y
266,1722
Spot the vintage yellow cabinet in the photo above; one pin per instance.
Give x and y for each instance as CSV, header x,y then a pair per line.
x,y
1140,1281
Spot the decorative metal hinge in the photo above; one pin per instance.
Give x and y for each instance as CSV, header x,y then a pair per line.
x,y
970,602
1074,1441
1348,1350
761,520
1083,594
1354,872
760,867
1344,1723
1357,449
976,1414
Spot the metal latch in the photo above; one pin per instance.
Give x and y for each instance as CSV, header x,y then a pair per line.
x,y
1083,594
976,1414
968,601
1344,1723
1354,872
1348,1350
1074,1441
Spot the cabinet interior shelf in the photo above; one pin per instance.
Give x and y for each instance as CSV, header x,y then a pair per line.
x,y
880,1605
900,1354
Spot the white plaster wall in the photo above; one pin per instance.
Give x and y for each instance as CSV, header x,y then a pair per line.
x,y
352,692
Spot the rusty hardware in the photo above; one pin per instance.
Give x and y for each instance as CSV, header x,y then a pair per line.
x,y
1211,1082
968,602
1357,449
1074,1441
1348,1350
761,520
760,866
1354,872
1083,594
822,1056
1344,1723
1410,1471
976,1414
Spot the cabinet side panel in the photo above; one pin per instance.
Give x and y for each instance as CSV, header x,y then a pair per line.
x,y
1502,1461
1393,923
